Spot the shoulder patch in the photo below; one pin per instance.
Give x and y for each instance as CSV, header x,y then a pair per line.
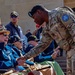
x,y
65,18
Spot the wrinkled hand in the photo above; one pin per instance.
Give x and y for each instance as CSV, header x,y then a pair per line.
x,y
21,61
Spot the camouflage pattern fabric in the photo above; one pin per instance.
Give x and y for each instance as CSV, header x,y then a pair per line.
x,y
61,27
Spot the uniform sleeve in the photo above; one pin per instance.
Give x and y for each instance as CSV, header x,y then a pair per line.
x,y
41,58
67,18
44,43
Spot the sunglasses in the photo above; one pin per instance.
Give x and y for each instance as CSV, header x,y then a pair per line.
x,y
4,34
20,41
13,16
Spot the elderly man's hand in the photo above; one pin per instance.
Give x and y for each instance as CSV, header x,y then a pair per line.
x,y
21,61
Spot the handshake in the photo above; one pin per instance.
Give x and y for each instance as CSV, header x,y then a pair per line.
x,y
21,61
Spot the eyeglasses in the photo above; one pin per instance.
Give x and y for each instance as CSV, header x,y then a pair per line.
x,y
4,34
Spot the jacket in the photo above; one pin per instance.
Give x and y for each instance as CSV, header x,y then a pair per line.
x,y
6,57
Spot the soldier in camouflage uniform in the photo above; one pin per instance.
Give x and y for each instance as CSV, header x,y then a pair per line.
x,y
60,26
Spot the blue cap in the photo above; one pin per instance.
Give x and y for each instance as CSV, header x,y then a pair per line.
x,y
32,38
14,38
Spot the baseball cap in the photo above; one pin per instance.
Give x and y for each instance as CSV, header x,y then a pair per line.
x,y
32,38
14,38
14,14
34,9
3,29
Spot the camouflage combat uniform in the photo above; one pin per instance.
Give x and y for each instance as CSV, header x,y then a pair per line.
x,y
61,27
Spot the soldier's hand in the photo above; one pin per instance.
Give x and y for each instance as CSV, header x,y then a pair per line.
x,y
54,55
56,49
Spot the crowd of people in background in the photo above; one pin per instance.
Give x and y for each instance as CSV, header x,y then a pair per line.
x,y
14,44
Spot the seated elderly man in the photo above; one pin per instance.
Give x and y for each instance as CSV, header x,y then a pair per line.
x,y
15,42
7,60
